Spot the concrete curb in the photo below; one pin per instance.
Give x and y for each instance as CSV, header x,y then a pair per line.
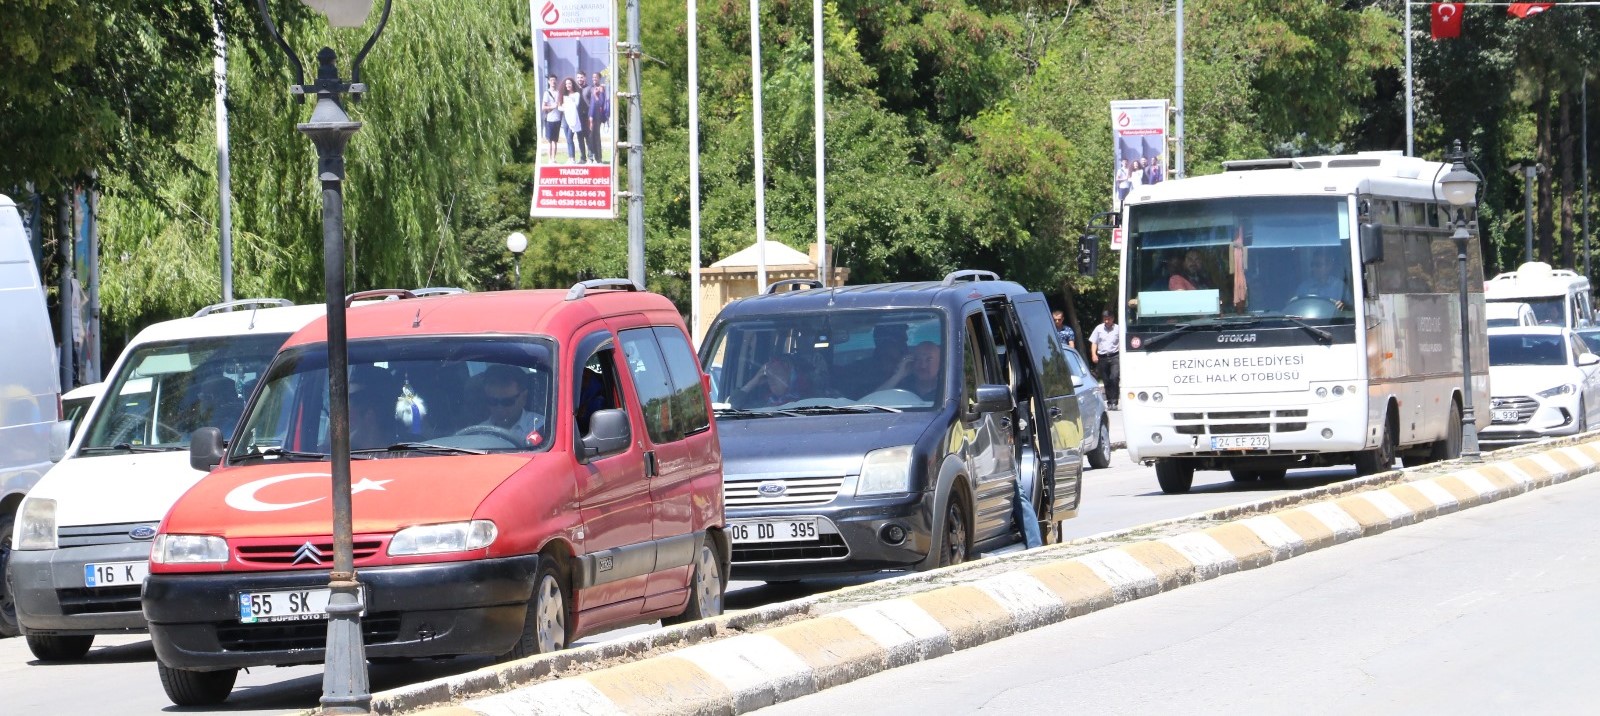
x,y
762,666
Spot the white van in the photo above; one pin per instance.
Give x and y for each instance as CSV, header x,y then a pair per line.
x,y
1506,314
1558,297
83,534
30,389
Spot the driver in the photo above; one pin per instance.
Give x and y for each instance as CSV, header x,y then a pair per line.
x,y
773,384
1323,281
506,393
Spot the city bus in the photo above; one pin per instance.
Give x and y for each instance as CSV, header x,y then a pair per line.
x,y
1295,313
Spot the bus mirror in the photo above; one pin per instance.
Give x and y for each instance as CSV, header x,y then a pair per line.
x,y
1088,254
1371,244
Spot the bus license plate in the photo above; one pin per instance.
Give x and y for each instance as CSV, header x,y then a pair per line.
x,y
115,574
1508,415
1240,442
799,530
284,606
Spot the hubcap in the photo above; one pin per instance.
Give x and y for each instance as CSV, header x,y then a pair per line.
x,y
551,616
955,536
8,606
709,588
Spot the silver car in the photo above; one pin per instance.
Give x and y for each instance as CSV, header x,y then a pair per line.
x,y
1092,409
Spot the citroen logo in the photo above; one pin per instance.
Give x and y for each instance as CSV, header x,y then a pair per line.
x,y
772,489
308,552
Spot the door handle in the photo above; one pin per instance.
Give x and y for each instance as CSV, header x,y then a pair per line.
x,y
1054,412
650,468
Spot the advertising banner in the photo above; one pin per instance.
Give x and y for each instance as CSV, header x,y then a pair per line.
x,y
574,48
1139,128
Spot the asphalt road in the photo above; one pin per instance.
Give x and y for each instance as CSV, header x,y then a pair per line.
x,y
122,670
1488,611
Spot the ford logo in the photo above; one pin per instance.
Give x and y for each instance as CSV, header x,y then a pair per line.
x,y
142,532
772,489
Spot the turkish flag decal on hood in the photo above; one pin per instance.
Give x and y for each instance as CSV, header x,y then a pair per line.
x,y
1527,9
1446,19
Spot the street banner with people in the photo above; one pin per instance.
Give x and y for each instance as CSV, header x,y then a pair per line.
x,y
575,56
1139,127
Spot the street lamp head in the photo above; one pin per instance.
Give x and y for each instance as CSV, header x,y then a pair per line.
x,y
1460,186
517,242
342,13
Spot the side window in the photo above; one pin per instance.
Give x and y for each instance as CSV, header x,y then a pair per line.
x,y
977,367
597,388
688,393
651,383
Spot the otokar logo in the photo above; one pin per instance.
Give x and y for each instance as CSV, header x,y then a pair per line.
x,y
1236,338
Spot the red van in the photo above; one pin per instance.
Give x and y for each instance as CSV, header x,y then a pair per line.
x,y
527,467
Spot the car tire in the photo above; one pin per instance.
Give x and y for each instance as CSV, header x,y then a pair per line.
x,y
1246,476
196,688
59,648
1100,456
954,542
8,603
706,587
1272,477
1175,476
548,626
1379,459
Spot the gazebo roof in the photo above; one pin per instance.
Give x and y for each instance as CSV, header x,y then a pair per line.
x,y
778,254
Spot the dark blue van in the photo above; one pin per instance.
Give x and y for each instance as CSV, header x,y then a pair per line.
x,y
891,426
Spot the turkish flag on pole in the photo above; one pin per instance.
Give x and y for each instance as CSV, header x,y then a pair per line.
x,y
1525,10
1446,19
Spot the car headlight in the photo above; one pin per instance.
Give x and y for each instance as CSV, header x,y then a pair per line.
x,y
36,528
188,549
1562,389
449,537
885,471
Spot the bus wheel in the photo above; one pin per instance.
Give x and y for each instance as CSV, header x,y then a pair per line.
x,y
1449,448
1379,459
1175,476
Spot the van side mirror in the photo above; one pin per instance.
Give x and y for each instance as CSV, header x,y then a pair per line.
x,y
1588,359
994,399
60,439
1088,254
608,432
205,449
1371,244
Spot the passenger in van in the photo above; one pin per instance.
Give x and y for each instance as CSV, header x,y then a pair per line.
x,y
505,391
372,402
888,349
1323,281
774,384
918,372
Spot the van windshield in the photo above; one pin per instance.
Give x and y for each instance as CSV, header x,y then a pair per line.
x,y
822,362
165,391
1548,310
440,394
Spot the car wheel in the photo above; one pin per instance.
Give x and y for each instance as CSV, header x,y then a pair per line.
x,y
545,629
705,588
1239,475
1100,457
59,648
1379,459
8,603
1271,477
952,544
1583,417
1175,476
196,688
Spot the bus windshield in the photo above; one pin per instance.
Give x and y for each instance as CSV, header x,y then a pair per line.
x,y
1239,256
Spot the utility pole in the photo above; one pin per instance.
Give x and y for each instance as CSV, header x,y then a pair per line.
x,y
694,169
635,153
1178,102
1528,172
224,177
816,93
761,173
1410,114
1584,114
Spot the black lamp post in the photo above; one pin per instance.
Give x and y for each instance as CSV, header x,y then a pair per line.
x,y
345,688
1460,188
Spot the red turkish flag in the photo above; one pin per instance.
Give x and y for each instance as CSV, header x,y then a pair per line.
x,y
1525,10
1446,19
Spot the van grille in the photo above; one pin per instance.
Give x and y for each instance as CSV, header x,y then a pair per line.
x,y
100,600
1240,422
829,545
282,554
379,628
797,491
93,535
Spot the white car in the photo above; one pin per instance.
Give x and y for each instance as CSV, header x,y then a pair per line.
x,y
1544,382
82,540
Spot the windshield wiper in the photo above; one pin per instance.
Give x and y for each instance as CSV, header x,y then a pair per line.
x,y
274,452
127,447
830,409
743,413
422,447
1321,335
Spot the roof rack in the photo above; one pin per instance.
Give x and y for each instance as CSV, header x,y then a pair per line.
x,y
809,283
1246,165
951,278
241,303
581,288
383,293
436,291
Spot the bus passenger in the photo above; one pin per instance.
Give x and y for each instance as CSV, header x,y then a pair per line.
x,y
1190,278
